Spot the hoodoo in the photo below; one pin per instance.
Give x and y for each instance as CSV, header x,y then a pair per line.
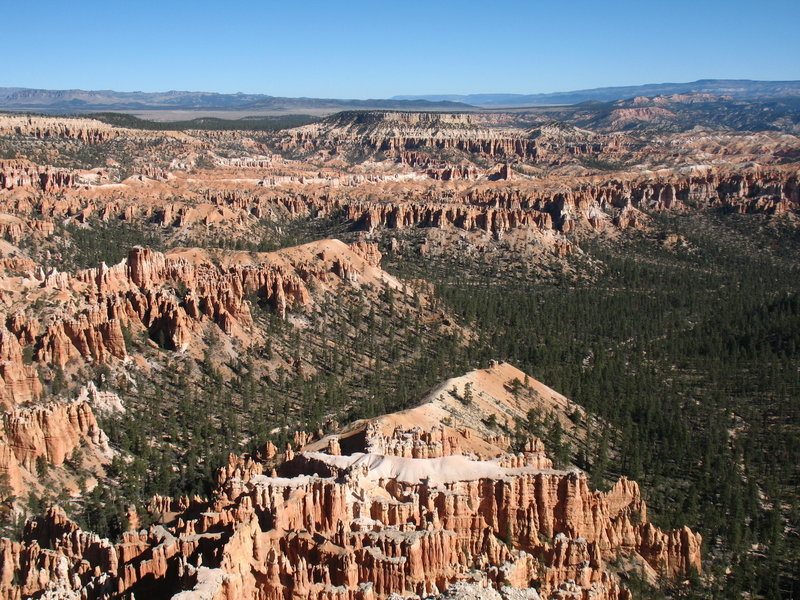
x,y
401,504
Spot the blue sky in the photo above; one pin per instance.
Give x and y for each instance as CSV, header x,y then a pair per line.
x,y
354,49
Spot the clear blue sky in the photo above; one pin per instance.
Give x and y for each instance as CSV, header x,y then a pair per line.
x,y
355,49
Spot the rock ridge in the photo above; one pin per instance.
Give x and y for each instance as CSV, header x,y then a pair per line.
x,y
355,525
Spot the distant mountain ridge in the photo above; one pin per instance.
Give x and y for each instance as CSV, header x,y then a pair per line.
x,y
99,100
83,101
737,88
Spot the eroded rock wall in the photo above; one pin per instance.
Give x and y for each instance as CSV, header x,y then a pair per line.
x,y
358,526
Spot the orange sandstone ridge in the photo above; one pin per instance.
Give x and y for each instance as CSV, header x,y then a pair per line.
x,y
49,432
168,296
387,169
413,504
407,200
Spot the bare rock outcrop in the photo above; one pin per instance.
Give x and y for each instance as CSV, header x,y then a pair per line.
x,y
169,298
49,432
19,381
89,131
541,206
24,174
406,513
403,134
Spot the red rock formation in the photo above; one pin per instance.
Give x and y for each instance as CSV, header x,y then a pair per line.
x,y
89,131
51,431
411,442
536,207
169,297
369,252
19,382
404,134
463,216
494,201
24,174
543,205
140,294
410,516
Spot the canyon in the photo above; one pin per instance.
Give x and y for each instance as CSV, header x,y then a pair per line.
x,y
248,348
407,184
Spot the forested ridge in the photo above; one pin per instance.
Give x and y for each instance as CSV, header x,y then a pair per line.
x,y
691,353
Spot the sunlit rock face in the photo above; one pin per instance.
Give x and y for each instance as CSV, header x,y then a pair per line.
x,y
423,502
